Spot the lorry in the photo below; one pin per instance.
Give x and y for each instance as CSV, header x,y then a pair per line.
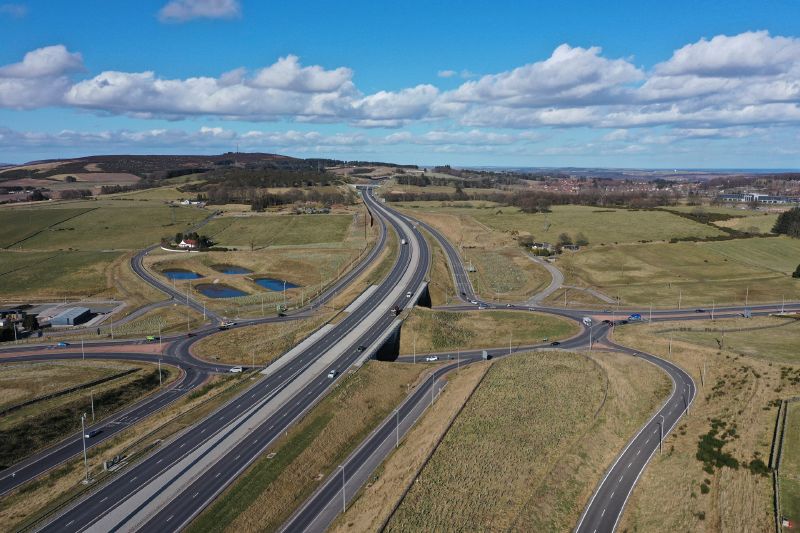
x,y
587,321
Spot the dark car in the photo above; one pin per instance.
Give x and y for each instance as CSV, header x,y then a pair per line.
x,y
190,334
623,322
606,321
361,347
554,343
699,310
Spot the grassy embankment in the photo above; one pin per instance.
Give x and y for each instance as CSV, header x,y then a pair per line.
x,y
441,330
790,466
712,475
31,501
565,429
264,496
33,427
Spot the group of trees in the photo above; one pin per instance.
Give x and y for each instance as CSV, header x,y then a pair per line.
x,y
788,223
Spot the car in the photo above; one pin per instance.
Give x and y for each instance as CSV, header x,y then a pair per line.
x,y
623,322
482,307
408,294
92,433
361,347
151,338
236,370
699,310
508,305
474,302
62,344
554,343
191,334
606,321
332,374
431,358
635,354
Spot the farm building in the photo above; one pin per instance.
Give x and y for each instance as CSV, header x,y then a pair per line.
x,y
71,317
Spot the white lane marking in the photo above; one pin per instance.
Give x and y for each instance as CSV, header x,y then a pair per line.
x,y
70,523
170,517
603,513
237,457
195,495
159,461
134,479
218,473
104,499
620,477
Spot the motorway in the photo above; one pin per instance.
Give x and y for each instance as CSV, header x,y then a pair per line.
x,y
177,353
608,500
169,488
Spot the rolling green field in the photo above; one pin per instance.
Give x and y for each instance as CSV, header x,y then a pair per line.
x,y
115,228
704,273
19,224
761,223
599,225
54,274
278,230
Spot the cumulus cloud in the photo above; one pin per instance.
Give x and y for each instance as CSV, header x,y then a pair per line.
x,y
40,79
185,10
749,79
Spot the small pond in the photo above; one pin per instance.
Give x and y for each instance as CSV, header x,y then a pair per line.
x,y
231,269
180,273
219,290
275,284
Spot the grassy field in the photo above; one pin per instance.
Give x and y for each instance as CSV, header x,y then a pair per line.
x,y
600,226
34,427
277,230
20,382
20,224
790,465
441,279
440,330
372,506
119,227
542,481
265,341
737,403
753,223
702,272
264,496
42,275
164,319
770,338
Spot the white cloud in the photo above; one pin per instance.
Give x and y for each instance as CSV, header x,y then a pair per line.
x,y
570,75
16,11
184,10
446,73
44,62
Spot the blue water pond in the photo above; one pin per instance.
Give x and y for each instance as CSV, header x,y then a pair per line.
x,y
219,290
179,273
275,284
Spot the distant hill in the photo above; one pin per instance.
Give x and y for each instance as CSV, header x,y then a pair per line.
x,y
143,166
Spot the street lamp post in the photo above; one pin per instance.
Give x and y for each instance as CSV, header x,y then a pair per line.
x,y
159,371
344,497
661,440
91,395
83,353
83,439
397,426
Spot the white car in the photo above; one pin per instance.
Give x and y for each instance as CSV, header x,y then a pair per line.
x,y
474,302
332,374
482,307
236,370
431,358
408,294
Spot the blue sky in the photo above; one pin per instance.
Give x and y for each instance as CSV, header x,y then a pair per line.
x,y
623,84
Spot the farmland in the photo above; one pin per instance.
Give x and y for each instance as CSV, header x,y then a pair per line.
x,y
790,465
737,403
542,482
264,496
599,226
700,273
440,330
278,230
